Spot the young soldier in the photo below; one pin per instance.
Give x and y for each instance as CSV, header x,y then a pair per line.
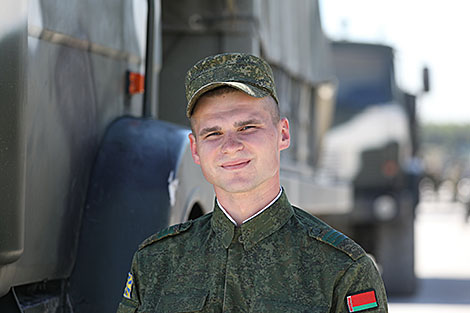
x,y
255,252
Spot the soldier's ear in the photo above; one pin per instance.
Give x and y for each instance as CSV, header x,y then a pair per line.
x,y
284,139
193,146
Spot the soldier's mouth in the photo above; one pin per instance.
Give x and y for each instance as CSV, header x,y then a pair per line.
x,y
239,164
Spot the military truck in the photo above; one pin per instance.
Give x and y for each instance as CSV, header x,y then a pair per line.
x,y
94,154
86,173
373,143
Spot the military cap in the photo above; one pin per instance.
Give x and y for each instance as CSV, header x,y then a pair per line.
x,y
244,72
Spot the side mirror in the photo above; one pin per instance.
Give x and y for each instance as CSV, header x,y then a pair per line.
x,y
426,83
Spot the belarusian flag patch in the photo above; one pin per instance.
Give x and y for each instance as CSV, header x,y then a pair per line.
x,y
362,301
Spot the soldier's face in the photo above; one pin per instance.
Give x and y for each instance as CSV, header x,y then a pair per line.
x,y
237,143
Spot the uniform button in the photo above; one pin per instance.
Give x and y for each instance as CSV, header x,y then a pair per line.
x,y
240,239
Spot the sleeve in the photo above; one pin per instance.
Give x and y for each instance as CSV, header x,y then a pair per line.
x,y
360,288
130,299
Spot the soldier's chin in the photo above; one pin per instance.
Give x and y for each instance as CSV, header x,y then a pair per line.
x,y
237,187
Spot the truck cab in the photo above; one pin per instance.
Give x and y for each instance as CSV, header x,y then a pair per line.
x,y
373,143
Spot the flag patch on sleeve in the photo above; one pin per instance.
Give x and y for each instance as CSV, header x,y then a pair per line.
x,y
128,289
362,301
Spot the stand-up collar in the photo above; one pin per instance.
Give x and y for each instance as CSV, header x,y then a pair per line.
x,y
257,228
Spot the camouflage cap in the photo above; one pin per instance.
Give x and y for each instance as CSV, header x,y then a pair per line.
x,y
244,72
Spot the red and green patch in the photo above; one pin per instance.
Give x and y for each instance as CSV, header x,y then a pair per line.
x,y
362,301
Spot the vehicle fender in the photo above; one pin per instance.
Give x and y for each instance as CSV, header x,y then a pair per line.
x,y
127,201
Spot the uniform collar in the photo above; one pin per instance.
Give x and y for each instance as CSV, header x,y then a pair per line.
x,y
257,213
255,229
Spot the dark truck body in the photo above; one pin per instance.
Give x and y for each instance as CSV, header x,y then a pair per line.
x,y
375,132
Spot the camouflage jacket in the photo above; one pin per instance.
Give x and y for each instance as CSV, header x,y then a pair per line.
x,y
283,260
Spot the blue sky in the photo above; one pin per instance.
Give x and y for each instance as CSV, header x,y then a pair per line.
x,y
432,33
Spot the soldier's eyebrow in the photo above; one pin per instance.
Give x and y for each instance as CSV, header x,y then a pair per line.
x,y
238,124
209,130
247,122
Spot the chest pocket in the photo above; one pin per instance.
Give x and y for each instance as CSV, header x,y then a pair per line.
x,y
274,306
190,301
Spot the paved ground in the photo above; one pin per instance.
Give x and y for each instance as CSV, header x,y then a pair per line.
x,y
442,261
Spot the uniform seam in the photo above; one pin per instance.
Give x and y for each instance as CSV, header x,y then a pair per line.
x,y
137,282
158,236
353,263
341,277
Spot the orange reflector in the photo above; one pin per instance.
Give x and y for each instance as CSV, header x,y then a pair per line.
x,y
135,83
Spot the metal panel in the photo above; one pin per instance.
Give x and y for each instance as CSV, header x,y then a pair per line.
x,y
13,38
193,30
74,92
106,22
292,38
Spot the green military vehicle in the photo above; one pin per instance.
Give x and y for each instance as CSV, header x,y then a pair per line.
x,y
373,143
86,173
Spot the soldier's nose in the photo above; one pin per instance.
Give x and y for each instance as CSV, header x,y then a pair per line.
x,y
231,144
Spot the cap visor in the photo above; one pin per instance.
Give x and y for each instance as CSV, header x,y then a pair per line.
x,y
246,88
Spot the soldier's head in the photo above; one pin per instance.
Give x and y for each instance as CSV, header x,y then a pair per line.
x,y
227,73
237,134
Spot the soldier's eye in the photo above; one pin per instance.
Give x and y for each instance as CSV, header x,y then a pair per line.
x,y
247,127
214,134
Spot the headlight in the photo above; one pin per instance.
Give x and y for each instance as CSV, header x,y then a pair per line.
x,y
385,208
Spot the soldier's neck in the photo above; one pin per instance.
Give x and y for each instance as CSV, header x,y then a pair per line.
x,y
242,206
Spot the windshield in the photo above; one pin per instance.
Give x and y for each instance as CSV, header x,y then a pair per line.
x,y
365,76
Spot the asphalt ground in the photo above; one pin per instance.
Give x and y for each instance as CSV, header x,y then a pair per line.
x,y
442,256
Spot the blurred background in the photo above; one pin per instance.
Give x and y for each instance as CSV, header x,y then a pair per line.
x,y
427,34
94,155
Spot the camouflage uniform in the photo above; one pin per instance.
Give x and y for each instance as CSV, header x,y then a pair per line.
x,y
283,260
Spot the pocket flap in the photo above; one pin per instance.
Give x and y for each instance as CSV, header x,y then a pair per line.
x,y
191,301
273,306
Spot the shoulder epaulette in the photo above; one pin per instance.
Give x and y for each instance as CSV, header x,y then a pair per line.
x,y
166,232
326,234
337,240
